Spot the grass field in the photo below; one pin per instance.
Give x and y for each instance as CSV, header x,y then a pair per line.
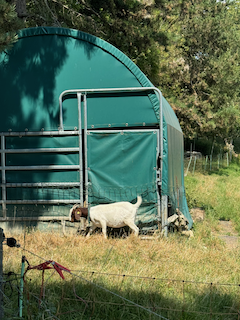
x,y
132,278
217,192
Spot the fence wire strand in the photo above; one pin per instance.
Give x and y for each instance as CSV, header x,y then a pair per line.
x,y
95,280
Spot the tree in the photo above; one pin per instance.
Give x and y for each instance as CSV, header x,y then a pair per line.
x,y
9,24
203,75
21,8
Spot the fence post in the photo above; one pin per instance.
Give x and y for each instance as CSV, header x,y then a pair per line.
x,y
188,166
21,288
1,273
194,166
205,167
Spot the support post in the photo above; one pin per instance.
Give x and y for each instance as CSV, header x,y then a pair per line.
x,y
1,273
85,147
21,288
3,165
79,97
164,215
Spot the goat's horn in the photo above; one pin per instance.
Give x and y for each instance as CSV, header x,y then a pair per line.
x,y
76,206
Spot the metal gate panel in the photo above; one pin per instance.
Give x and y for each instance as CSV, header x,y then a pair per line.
x,y
39,168
150,213
122,164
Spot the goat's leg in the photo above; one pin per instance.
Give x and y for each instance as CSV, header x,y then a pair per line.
x,y
132,226
104,228
92,228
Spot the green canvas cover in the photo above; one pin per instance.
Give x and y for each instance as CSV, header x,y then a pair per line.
x,y
47,61
122,165
173,160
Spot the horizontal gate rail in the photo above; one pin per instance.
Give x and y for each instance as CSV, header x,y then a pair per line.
x,y
40,201
40,218
41,184
46,167
41,150
39,133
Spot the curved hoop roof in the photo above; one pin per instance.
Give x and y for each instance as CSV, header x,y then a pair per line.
x,y
79,35
89,39
46,61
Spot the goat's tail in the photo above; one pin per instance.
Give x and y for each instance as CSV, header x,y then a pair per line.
x,y
139,201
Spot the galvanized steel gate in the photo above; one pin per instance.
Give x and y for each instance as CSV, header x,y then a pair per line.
x,y
12,174
79,169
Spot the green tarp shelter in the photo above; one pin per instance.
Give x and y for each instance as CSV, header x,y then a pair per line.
x,y
81,122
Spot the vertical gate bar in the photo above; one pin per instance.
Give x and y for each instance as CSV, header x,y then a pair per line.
x,y
85,147
1,273
79,97
164,215
158,177
3,163
162,205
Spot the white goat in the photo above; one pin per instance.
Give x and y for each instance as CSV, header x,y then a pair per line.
x,y
115,215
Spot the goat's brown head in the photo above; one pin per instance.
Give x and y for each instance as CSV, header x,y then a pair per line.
x,y
78,213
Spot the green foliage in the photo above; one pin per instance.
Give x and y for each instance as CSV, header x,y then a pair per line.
x,y
204,71
9,24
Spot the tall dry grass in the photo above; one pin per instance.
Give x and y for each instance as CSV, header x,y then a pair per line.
x,y
203,259
174,277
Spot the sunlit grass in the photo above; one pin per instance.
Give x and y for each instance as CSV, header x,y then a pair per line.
x,y
199,259
217,192
176,277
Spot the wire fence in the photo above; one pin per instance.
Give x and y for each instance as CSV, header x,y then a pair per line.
x,y
99,194
97,295
206,163
32,202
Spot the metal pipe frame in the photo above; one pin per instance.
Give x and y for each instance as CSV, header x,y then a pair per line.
x,y
3,168
36,168
85,149
86,92
21,134
47,218
53,201
40,150
41,184
79,97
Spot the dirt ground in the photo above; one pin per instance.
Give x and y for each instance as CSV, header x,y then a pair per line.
x,y
226,231
228,234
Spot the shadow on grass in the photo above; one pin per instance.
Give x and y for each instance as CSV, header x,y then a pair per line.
x,y
86,295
